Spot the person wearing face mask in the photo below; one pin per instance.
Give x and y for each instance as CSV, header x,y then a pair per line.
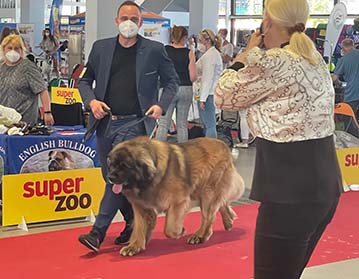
x,y
289,94
126,69
21,82
209,68
347,70
49,45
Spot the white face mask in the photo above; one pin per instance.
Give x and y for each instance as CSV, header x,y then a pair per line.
x,y
128,29
13,56
201,47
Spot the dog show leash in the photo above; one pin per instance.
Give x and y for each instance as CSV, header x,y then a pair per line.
x,y
91,130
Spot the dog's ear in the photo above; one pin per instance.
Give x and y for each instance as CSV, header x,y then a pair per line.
x,y
67,156
146,170
50,153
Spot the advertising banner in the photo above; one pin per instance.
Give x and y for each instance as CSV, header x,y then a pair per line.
x,y
55,18
3,164
27,33
40,197
334,28
65,96
61,151
348,159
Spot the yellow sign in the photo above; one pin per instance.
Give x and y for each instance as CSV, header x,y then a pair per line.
x,y
65,96
48,196
348,159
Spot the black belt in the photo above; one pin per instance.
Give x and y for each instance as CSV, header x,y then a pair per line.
x,y
89,133
120,117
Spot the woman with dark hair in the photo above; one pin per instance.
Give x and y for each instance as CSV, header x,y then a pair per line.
x,y
185,64
49,45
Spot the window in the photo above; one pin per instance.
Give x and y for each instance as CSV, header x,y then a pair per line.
x,y
243,28
320,7
352,6
222,7
248,7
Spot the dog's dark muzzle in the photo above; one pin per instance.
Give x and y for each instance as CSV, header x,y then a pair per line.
x,y
54,165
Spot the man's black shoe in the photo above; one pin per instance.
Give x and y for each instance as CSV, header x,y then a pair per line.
x,y
90,240
125,235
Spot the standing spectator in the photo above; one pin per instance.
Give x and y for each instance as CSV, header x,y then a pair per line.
x,y
227,48
184,61
290,99
49,45
209,68
126,70
348,71
21,82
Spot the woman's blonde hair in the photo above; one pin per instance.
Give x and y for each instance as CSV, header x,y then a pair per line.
x,y
293,15
14,39
216,40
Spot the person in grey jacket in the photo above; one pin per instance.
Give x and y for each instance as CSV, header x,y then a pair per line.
x,y
126,70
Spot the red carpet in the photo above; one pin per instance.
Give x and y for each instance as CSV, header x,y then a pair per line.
x,y
58,255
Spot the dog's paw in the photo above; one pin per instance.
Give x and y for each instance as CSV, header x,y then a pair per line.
x,y
228,225
130,250
175,235
195,239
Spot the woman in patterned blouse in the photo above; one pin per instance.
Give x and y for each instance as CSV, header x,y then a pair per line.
x,y
290,99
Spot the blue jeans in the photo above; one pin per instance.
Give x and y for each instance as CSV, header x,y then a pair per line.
x,y
112,202
208,118
181,102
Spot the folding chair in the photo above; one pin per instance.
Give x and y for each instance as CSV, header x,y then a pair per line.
x,y
349,120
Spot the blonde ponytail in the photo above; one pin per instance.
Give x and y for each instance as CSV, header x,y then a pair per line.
x,y
292,16
302,45
218,43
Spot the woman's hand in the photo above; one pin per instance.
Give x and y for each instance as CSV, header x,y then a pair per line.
x,y
255,40
202,105
48,119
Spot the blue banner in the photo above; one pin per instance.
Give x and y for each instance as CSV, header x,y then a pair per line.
x,y
55,17
3,162
63,150
77,20
9,25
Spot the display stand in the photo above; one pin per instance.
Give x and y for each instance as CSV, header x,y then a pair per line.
x,y
91,218
23,225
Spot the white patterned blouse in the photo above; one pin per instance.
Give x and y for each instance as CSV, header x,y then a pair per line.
x,y
288,99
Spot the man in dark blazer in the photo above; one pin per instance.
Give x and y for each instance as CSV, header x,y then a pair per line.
x,y
126,70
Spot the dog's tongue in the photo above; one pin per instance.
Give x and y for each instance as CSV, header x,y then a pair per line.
x,y
117,188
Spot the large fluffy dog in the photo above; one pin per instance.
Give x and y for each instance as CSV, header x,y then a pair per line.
x,y
160,177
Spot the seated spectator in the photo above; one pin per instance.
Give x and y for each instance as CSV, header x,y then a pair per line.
x,y
21,82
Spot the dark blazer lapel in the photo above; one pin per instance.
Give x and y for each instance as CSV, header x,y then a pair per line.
x,y
140,60
108,51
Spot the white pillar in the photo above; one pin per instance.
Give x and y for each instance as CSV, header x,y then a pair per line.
x,y
33,12
203,14
100,21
